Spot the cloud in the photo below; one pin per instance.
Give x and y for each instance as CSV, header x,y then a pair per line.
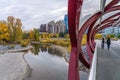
x,y
59,10
33,12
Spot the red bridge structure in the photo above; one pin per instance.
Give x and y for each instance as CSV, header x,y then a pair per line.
x,y
107,15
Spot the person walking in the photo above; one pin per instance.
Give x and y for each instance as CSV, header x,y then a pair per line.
x,y
108,43
103,41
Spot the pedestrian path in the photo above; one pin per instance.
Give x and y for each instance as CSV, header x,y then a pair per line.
x,y
108,62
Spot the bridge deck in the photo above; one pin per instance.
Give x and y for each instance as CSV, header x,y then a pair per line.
x,y
108,62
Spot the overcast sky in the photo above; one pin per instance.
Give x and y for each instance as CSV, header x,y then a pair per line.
x,y
33,12
36,12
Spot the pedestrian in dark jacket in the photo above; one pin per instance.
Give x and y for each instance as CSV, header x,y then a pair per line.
x,y
103,41
108,43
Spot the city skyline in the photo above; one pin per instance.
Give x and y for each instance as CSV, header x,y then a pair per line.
x,y
33,13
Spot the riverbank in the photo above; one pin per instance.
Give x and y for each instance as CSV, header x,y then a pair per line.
x,y
19,49
13,67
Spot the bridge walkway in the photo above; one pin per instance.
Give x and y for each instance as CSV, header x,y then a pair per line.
x,y
108,62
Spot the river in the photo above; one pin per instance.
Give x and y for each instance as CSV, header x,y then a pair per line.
x,y
48,64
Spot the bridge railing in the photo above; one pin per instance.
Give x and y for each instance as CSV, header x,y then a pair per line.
x,y
92,74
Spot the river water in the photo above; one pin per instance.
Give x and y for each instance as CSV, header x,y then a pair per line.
x,y
48,64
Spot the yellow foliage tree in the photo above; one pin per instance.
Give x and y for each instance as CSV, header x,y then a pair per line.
x,y
18,34
31,35
15,30
34,35
84,40
10,24
4,34
85,36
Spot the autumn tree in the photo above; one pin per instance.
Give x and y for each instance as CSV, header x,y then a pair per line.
x,y
10,24
31,35
4,34
26,35
15,29
36,35
18,34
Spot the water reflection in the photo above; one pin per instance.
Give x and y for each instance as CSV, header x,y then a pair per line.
x,y
47,63
36,49
54,51
45,48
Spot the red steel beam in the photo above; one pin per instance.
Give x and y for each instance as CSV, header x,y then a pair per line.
x,y
103,22
73,72
91,40
89,22
74,8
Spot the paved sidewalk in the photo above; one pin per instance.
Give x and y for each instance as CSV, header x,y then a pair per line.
x,y
108,63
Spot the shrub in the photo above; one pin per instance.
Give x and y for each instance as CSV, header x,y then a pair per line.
x,y
83,42
118,36
110,35
66,36
24,43
98,36
61,34
48,40
115,39
65,44
43,41
69,48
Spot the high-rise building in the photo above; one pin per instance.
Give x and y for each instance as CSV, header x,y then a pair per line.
x,y
60,27
66,22
53,27
43,28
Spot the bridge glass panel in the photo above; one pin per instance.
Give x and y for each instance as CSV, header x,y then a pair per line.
x,y
118,4
109,14
98,22
89,8
107,2
105,16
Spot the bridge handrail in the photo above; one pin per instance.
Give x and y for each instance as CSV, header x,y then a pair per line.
x,y
92,74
